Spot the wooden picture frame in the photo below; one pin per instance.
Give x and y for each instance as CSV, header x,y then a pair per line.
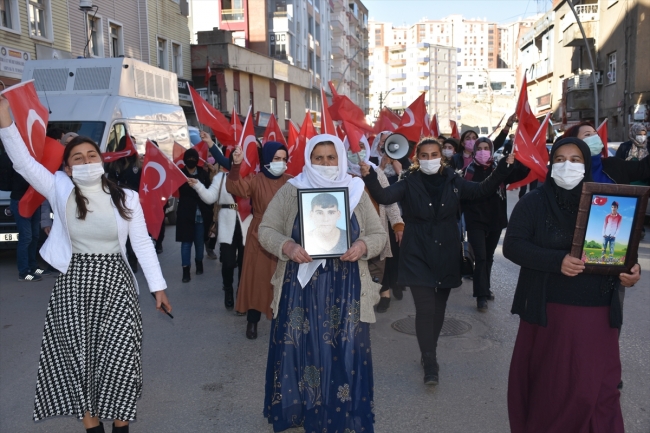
x,y
324,225
604,239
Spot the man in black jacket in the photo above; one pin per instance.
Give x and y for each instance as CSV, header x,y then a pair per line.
x,y
28,228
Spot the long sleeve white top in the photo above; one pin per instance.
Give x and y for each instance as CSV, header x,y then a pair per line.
x,y
57,188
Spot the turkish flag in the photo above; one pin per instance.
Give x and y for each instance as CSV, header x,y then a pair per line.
x,y
248,143
129,150
339,132
599,201
454,130
326,122
426,132
434,127
160,178
296,151
30,116
202,148
602,133
386,121
525,117
51,160
177,156
413,119
236,125
273,132
354,136
532,153
343,108
210,116
333,89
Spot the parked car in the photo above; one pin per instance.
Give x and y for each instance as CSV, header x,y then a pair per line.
x,y
8,228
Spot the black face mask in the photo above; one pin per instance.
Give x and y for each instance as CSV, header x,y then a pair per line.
x,y
191,164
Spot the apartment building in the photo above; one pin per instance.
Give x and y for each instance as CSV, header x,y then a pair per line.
x,y
509,34
295,32
243,77
560,78
30,30
350,68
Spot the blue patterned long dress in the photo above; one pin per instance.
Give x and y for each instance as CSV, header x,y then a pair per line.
x,y
319,371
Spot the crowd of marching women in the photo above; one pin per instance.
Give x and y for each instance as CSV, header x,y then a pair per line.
x,y
321,266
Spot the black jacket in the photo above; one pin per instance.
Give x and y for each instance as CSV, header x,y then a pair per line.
x,y
490,213
623,149
10,180
625,172
187,203
538,244
430,253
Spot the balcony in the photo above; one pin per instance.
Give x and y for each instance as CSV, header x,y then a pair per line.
x,y
397,62
338,21
582,81
399,90
423,88
423,46
423,74
571,35
540,69
232,14
353,39
423,60
338,51
400,76
397,48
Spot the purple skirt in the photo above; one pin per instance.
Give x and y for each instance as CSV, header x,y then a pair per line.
x,y
564,378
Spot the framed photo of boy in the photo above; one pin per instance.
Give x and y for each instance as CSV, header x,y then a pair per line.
x,y
324,221
608,227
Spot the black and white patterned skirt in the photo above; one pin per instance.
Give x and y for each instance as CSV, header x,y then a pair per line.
x,y
91,352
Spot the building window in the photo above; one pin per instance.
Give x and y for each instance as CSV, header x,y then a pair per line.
x,y
9,15
274,107
236,101
40,18
162,53
287,110
611,68
116,40
95,37
177,59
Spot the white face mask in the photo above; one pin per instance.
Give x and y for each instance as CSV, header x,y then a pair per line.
x,y
87,173
448,153
329,172
430,166
595,144
354,157
276,168
641,139
568,175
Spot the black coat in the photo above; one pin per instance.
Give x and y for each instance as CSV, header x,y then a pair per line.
x,y
430,253
10,180
187,202
625,172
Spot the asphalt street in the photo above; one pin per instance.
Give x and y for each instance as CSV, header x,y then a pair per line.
x,y
201,374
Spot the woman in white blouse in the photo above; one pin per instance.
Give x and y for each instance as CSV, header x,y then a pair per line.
x,y
90,364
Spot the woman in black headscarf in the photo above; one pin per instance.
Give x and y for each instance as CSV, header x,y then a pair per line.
x,y
565,366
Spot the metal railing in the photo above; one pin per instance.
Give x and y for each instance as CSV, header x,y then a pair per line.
x,y
232,14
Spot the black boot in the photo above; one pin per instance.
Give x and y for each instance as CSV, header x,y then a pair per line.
x,y
251,330
431,368
123,429
383,305
229,299
186,274
482,304
199,266
98,429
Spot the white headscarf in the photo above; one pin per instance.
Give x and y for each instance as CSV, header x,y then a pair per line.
x,y
352,167
309,178
374,151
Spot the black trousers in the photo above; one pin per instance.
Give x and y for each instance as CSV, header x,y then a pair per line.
x,y
430,305
232,256
484,243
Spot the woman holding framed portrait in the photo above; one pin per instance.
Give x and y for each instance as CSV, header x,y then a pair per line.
x,y
565,366
319,371
431,252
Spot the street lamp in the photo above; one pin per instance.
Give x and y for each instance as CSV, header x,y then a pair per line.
x,y
383,97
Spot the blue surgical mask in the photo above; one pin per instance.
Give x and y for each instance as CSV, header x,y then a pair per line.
x,y
595,144
354,157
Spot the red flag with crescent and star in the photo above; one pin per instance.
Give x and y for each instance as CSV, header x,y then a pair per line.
x,y
413,119
599,201
210,116
454,130
30,116
160,179
52,159
273,132
248,144
602,133
129,150
434,127
354,135
296,151
532,153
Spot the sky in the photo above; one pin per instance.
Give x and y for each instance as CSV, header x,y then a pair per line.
x,y
400,12
626,207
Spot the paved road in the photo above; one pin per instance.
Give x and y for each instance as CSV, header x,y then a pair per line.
x,y
202,375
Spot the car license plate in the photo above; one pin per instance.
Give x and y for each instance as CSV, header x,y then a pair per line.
x,y
8,237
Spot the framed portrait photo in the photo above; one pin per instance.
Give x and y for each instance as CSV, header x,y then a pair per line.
x,y
608,227
324,221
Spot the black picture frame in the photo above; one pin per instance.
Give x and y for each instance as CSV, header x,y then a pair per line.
x,y
615,257
310,238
